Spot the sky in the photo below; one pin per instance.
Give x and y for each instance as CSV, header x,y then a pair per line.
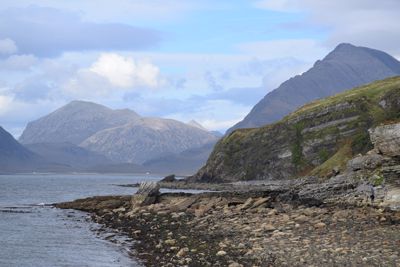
x,y
210,61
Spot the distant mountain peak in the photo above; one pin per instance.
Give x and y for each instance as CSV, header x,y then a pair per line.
x,y
345,67
75,122
342,46
196,124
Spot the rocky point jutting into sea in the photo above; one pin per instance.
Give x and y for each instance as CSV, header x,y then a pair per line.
x,y
311,204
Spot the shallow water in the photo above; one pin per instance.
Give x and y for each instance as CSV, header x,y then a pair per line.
x,y
35,234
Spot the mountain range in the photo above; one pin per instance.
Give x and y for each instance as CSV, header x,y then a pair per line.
x,y
347,66
84,134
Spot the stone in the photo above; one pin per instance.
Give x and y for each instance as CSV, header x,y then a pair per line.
x,y
182,252
260,202
370,162
247,204
147,194
301,218
235,264
268,227
320,225
221,253
169,179
386,139
170,242
184,204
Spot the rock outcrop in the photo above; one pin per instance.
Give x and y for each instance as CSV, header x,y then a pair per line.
x,y
147,194
347,66
313,140
386,139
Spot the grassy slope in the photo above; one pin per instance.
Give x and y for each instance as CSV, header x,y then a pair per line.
x,y
366,107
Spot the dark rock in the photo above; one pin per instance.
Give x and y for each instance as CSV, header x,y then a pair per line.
x,y
169,179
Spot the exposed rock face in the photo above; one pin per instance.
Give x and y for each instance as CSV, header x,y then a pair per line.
x,y
345,67
369,162
74,122
386,139
147,194
120,135
315,139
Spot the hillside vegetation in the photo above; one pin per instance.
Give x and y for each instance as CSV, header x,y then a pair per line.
x,y
314,139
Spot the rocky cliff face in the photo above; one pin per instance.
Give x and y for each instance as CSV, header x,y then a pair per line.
x,y
347,66
315,139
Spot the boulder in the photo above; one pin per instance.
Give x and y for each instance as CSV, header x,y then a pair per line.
x,y
369,162
169,179
147,194
386,139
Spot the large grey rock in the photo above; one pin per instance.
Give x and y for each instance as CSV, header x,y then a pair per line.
x,y
386,139
147,194
369,162
347,66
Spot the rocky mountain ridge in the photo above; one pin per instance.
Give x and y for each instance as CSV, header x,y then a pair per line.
x,y
122,136
346,67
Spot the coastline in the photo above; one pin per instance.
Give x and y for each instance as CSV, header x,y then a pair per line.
x,y
250,228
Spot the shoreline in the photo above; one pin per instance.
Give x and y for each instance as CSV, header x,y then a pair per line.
x,y
250,228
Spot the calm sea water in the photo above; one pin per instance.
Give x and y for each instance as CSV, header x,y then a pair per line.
x,y
33,234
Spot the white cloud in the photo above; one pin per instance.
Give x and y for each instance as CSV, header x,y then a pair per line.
x,y
87,85
361,22
18,62
122,11
301,49
125,72
5,104
276,5
7,47
216,115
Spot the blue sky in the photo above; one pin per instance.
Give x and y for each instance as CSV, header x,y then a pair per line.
x,y
211,61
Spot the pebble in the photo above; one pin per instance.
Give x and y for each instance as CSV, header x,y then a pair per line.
x,y
221,253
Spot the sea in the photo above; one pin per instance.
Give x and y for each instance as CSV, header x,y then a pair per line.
x,y
33,233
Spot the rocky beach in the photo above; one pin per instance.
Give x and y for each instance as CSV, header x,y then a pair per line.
x,y
253,228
